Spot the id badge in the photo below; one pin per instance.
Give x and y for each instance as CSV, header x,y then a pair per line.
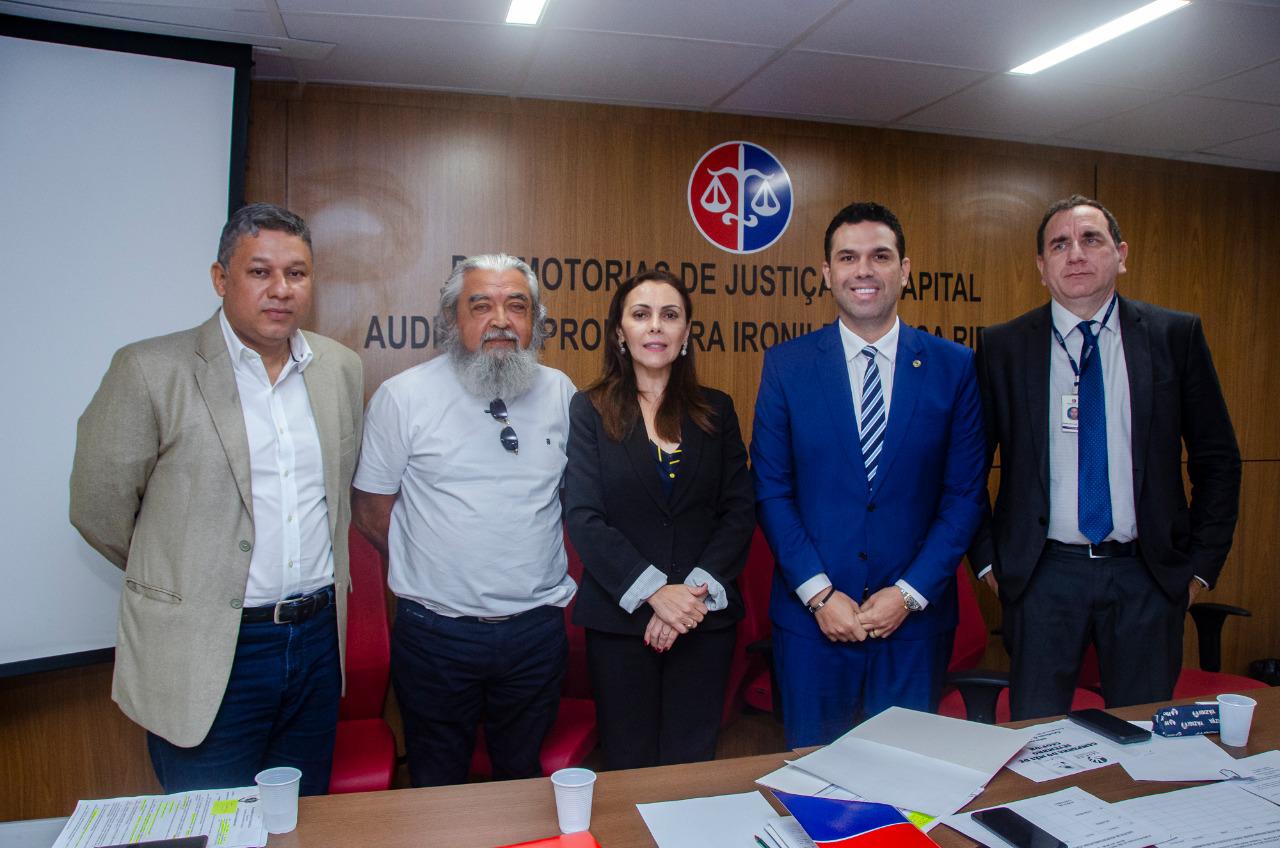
x,y
1070,413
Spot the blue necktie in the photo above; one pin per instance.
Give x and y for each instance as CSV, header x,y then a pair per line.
x,y
1093,495
873,417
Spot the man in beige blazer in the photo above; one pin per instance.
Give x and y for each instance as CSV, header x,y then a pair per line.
x,y
214,467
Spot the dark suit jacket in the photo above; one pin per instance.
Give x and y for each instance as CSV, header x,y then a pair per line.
x,y
1175,398
621,521
814,505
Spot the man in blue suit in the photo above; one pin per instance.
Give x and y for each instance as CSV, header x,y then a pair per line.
x,y
868,455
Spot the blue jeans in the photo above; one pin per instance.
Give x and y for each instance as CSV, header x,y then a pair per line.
x,y
280,709
450,674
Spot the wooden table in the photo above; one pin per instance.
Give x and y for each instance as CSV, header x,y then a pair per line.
x,y
491,814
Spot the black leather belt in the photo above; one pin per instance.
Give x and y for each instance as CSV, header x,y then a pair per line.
x,y
1102,550
290,610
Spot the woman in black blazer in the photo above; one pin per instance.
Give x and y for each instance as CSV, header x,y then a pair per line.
x,y
659,506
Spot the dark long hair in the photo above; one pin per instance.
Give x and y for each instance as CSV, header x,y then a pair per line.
x,y
615,395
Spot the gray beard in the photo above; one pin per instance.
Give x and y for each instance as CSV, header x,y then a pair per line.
x,y
505,374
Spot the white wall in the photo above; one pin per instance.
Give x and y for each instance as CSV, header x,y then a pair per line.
x,y
113,189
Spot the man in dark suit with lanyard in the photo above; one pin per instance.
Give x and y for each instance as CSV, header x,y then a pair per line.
x,y
1090,400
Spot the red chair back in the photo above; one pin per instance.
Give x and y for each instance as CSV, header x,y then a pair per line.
x,y
751,674
577,681
368,636
971,629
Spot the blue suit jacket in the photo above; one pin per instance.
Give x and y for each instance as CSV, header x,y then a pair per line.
x,y
811,487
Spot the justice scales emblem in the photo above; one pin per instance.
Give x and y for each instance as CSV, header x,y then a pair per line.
x,y
740,197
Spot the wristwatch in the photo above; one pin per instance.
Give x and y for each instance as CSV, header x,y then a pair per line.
x,y
909,602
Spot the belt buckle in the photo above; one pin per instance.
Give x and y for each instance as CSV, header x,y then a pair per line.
x,y
289,603
1092,555
494,619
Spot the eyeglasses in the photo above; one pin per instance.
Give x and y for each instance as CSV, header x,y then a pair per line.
x,y
498,409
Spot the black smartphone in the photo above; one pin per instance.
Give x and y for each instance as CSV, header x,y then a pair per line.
x,y
1016,830
1105,724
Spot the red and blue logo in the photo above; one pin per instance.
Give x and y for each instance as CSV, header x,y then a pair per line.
x,y
740,197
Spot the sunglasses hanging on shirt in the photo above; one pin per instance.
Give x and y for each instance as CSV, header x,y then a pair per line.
x,y
498,409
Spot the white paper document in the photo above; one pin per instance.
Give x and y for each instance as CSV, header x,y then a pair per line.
x,y
729,820
916,761
1060,748
1073,816
1265,782
1218,815
231,818
800,782
1179,758
786,832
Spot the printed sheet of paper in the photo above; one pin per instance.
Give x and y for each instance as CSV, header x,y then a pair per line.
x,y
1217,815
231,818
1077,818
1265,782
1060,748
698,822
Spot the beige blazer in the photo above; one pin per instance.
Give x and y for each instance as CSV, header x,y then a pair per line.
x,y
160,487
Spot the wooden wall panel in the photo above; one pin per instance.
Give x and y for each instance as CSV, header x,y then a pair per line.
x,y
63,739
395,183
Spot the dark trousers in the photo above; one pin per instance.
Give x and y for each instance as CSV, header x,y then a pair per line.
x,y
828,687
280,709
451,674
1113,603
658,709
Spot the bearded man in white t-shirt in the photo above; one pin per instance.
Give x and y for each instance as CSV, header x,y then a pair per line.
x,y
458,486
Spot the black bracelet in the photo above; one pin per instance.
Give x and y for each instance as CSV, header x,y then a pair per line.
x,y
822,603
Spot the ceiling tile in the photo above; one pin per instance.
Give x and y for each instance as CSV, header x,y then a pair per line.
x,y
846,87
1026,106
226,15
403,51
475,11
1261,85
1182,124
1192,47
632,69
771,23
1261,148
992,35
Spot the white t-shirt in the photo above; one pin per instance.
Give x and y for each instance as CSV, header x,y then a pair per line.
x,y
476,529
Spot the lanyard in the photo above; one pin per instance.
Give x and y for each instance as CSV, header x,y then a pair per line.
x,y
1084,359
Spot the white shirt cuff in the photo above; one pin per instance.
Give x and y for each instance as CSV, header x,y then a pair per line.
x,y
649,581
984,572
716,598
812,586
916,596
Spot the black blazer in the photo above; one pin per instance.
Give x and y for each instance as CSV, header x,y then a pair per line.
x,y
621,521
1175,399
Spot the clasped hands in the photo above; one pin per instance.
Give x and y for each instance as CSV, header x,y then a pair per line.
x,y
677,609
844,620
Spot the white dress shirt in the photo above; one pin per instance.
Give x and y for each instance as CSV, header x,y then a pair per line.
x,y
292,551
1064,468
886,358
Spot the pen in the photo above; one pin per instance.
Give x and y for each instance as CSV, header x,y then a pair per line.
x,y
761,842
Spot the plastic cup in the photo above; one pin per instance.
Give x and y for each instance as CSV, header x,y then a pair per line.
x,y
574,787
1235,715
278,793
